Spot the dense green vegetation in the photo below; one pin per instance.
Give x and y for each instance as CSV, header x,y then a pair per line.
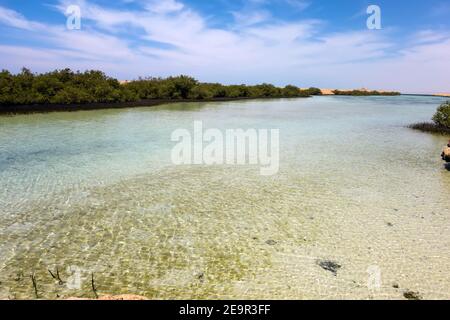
x,y
60,87
183,87
442,115
441,121
365,93
69,87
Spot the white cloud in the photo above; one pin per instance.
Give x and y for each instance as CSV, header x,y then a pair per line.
x,y
15,19
164,6
261,50
245,19
429,36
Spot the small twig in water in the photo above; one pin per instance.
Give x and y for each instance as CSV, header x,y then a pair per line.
x,y
33,279
94,289
57,276
51,273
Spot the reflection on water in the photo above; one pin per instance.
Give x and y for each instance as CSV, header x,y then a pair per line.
x,y
94,192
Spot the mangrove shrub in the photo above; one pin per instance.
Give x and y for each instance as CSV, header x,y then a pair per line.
x,y
69,87
442,115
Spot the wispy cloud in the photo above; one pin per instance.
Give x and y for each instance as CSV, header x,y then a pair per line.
x,y
299,4
15,19
429,36
172,38
245,19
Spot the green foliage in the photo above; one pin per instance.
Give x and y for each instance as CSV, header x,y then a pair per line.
x,y
182,85
290,91
69,87
442,115
60,87
314,91
200,92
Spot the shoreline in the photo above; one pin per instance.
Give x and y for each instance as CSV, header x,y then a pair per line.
x,y
12,110
444,95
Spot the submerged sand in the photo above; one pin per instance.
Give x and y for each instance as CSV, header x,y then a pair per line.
x,y
359,209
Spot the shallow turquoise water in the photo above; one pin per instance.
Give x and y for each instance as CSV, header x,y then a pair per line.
x,y
96,192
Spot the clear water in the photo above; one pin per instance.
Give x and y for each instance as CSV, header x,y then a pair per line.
x,y
95,192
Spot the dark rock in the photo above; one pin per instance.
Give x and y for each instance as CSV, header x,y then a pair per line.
x,y
329,265
19,276
389,224
411,295
395,285
201,276
271,242
446,154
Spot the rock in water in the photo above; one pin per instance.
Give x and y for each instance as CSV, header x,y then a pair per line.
x,y
329,265
446,154
411,295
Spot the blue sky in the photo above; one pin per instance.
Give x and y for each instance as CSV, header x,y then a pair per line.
x,y
319,43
